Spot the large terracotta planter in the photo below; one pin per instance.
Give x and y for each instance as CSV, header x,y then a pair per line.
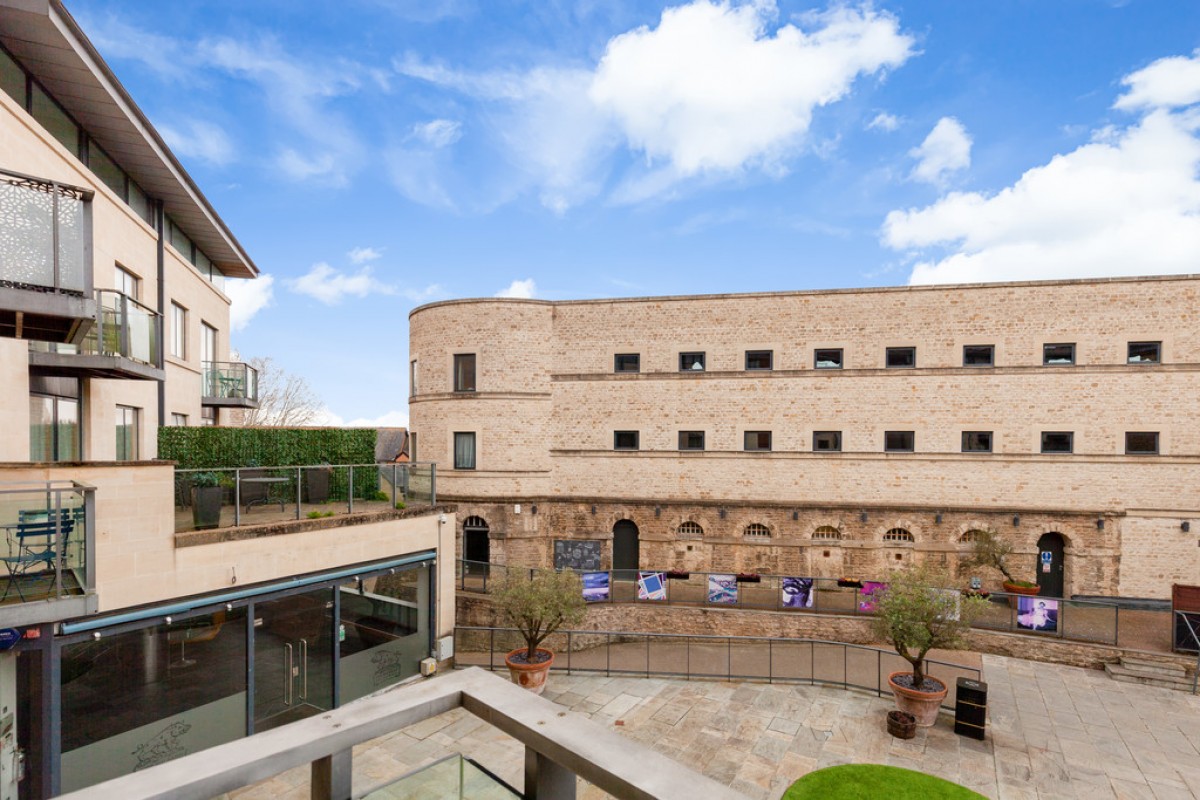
x,y
1014,590
922,705
529,676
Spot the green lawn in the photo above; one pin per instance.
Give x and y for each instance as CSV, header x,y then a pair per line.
x,y
852,781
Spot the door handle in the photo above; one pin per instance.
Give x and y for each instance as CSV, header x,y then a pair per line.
x,y
287,674
303,669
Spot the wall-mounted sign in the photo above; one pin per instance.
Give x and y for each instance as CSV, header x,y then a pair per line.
x,y
9,638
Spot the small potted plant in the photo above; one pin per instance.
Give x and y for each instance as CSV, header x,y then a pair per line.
x,y
915,613
537,605
988,550
206,500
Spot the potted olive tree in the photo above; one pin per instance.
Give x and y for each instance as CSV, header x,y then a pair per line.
x,y
916,613
206,500
989,551
537,605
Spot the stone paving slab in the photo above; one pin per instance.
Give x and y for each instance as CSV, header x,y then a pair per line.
x,y
1053,732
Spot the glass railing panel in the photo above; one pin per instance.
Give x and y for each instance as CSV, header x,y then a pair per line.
x,y
1145,629
229,380
750,659
44,549
628,653
1091,622
792,661
708,657
451,778
669,656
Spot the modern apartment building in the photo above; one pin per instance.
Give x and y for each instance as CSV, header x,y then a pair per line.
x,y
826,433
127,639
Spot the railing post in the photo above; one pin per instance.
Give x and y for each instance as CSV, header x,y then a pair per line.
x,y
331,776
394,485
89,538
350,489
432,484
58,544
237,497
123,328
298,490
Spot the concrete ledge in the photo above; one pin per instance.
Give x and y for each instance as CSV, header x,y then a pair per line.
x,y
600,756
220,535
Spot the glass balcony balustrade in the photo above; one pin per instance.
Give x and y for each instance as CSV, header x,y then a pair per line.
x,y
229,383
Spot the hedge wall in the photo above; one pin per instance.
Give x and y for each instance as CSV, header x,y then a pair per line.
x,y
226,448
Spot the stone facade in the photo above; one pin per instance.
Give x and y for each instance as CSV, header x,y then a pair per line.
x,y
547,403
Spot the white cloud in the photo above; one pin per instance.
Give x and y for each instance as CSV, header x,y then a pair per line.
x,y
200,139
525,289
431,292
437,133
361,255
884,121
329,285
247,298
389,419
710,91
1124,204
1167,83
946,149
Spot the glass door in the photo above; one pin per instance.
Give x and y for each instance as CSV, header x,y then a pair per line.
x,y
293,658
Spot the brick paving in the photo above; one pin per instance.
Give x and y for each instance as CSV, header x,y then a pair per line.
x,y
1054,732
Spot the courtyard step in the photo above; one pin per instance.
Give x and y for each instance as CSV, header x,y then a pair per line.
x,y
1149,672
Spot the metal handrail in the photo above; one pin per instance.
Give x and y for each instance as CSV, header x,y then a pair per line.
x,y
1110,636
1183,615
771,642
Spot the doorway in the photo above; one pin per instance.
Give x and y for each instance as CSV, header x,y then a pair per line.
x,y
477,546
1051,578
293,658
625,546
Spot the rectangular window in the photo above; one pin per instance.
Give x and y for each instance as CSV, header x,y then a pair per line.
x,y
898,441
625,440
827,359
412,378
464,372
54,120
464,451
901,357
208,416
180,241
1145,352
12,79
977,441
53,428
208,342
691,362
1057,441
106,170
757,441
140,203
178,331
979,355
127,433
691,440
627,362
1058,355
827,441
128,284
760,359
1141,443
179,420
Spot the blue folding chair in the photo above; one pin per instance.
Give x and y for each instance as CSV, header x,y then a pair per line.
x,y
34,545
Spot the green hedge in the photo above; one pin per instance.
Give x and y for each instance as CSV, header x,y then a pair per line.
x,y
226,448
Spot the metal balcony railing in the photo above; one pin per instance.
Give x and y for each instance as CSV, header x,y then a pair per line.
x,y
48,536
45,235
124,327
229,380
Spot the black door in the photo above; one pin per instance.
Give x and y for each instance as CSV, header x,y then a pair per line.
x,y
1050,577
625,546
476,546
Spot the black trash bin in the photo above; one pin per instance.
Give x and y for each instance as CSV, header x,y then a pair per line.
x,y
970,708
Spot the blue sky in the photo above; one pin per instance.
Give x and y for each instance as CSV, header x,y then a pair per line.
x,y
373,155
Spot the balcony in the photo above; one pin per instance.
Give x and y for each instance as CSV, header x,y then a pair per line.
x,y
229,384
49,533
122,344
45,259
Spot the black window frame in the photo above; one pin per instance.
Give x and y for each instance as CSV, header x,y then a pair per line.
x,y
912,442
1070,442
841,357
991,438
697,355
474,372
474,450
818,434
887,357
617,440
757,449
637,362
683,440
1046,361
770,356
1158,348
991,355
1132,452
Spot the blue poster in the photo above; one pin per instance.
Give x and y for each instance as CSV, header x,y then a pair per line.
x,y
651,586
595,587
797,592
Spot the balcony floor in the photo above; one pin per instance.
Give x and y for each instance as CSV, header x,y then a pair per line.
x,y
37,586
271,514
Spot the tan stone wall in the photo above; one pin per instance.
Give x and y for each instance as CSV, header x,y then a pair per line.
x,y
14,400
1159,552
564,454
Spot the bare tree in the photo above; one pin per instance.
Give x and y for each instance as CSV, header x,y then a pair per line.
x,y
284,399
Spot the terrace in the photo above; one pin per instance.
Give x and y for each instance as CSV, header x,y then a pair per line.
x,y
229,384
123,343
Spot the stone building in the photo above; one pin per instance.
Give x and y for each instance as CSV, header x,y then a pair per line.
x,y
828,433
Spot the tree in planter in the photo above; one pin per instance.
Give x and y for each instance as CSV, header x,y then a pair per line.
x,y
916,614
989,551
538,606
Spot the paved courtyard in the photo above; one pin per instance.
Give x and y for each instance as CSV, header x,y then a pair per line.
x,y
1054,732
